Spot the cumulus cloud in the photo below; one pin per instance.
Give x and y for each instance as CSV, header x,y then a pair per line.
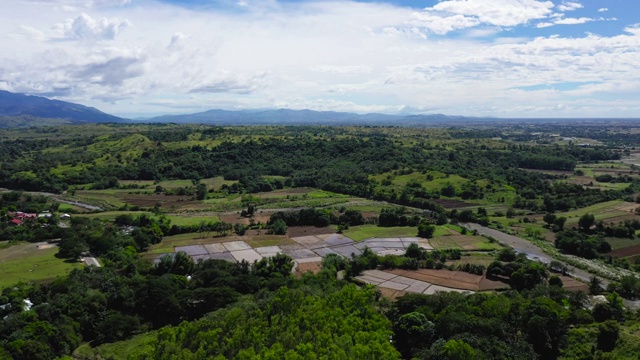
x,y
603,10
318,55
110,71
569,6
228,83
496,12
84,27
442,25
344,69
80,3
572,21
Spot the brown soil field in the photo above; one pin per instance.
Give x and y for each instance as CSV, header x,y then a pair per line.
x,y
391,294
491,285
611,171
314,267
571,284
554,172
234,219
625,252
171,202
453,204
627,206
296,231
617,219
453,279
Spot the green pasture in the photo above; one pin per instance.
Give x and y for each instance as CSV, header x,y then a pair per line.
x,y
359,233
112,215
120,350
190,220
25,262
217,182
621,243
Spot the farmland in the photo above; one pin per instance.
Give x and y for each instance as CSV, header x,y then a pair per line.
x,y
161,204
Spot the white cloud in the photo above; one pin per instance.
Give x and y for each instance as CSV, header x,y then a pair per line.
x,y
569,6
320,55
572,21
442,25
544,25
84,27
497,12
603,9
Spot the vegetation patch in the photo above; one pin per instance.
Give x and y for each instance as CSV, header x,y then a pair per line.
x,y
359,233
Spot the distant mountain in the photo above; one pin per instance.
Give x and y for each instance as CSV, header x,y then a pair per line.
x,y
15,106
302,117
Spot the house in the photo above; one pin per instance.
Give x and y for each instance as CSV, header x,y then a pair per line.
x,y
22,215
65,216
44,214
16,222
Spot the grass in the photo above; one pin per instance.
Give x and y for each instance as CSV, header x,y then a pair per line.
x,y
111,215
268,240
217,182
174,184
70,208
120,350
359,233
444,242
477,258
25,262
618,243
190,220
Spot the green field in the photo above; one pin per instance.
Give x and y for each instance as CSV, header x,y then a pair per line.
x,y
111,215
25,262
362,232
444,242
120,350
618,243
190,220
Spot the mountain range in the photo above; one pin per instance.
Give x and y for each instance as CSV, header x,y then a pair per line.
x,y
29,108
20,110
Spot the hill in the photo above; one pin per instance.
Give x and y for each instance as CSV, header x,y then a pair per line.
x,y
19,110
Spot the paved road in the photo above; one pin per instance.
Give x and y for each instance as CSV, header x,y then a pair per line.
x,y
56,197
532,251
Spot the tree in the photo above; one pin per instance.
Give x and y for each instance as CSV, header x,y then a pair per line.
x,y
558,224
555,280
608,334
549,218
426,230
279,227
586,221
412,332
595,286
507,254
527,277
201,191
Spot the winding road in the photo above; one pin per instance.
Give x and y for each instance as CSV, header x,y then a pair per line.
x,y
57,198
531,250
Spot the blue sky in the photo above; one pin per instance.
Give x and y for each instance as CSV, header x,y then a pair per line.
x,y
505,58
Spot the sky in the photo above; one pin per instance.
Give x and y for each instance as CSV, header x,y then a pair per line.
x,y
502,58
